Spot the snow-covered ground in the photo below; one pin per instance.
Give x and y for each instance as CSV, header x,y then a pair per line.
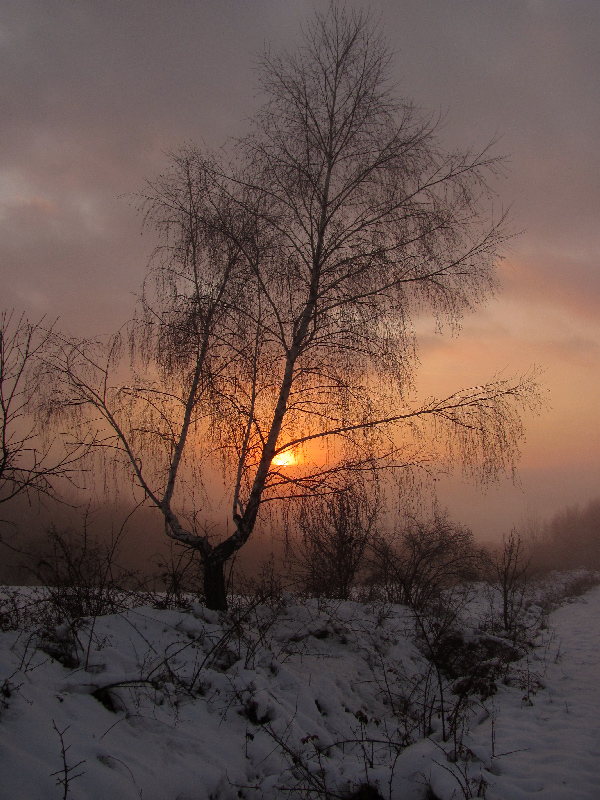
x,y
553,741
299,699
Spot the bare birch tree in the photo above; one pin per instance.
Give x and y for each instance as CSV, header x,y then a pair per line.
x,y
188,338
288,286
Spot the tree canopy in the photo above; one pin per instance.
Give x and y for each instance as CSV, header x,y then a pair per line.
x,y
279,308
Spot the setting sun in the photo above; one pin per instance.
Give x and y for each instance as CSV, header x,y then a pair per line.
x,y
285,459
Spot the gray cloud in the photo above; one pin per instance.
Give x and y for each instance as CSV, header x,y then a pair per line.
x,y
94,93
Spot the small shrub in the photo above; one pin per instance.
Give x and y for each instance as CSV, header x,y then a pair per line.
x,y
512,590
580,582
178,578
431,557
267,588
11,608
335,532
80,575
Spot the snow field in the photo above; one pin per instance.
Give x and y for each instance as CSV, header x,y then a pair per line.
x,y
294,700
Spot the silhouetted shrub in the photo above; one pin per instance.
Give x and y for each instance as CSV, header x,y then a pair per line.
x,y
335,532
510,575
80,575
427,558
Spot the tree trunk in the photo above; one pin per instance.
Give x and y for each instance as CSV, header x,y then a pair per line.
x,y
215,593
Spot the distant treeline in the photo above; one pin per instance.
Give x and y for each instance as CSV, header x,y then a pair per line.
x,y
570,539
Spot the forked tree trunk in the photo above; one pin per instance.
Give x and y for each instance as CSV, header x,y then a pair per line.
x,y
215,593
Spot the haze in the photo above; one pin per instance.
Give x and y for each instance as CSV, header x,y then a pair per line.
x,y
94,94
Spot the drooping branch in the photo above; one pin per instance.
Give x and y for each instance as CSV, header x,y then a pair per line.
x,y
31,462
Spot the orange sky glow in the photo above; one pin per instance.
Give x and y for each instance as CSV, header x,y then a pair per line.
x,y
288,458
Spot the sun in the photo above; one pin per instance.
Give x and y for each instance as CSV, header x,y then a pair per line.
x,y
285,459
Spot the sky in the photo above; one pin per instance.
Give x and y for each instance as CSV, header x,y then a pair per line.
x,y
95,94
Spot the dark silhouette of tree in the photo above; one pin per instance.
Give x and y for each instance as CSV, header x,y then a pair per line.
x,y
511,572
285,289
424,560
335,532
29,464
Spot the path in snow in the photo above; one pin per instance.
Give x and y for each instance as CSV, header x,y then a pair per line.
x,y
559,733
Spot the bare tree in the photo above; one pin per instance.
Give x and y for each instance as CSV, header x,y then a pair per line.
x,y
286,293
431,556
29,464
511,572
335,532
189,337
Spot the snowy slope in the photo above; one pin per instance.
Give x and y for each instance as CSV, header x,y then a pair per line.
x,y
554,737
302,699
